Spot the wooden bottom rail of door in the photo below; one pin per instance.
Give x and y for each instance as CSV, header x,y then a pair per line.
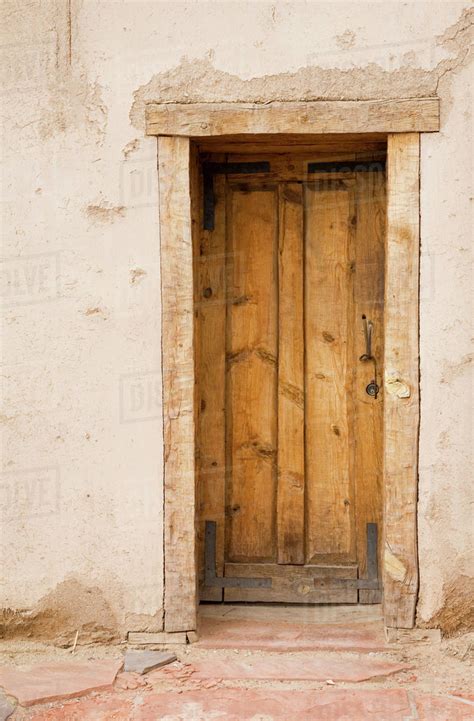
x,y
372,582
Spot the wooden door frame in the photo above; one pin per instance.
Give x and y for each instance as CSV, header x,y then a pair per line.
x,y
176,125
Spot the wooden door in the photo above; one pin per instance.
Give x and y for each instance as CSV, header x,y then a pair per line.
x,y
289,283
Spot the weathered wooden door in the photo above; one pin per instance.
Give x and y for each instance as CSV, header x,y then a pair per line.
x,y
289,292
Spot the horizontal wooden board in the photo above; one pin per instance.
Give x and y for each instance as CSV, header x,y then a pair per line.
x,y
291,584
287,167
292,144
325,116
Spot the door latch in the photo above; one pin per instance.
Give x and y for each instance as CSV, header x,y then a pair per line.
x,y
373,388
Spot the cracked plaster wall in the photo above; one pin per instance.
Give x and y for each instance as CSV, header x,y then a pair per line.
x,y
81,419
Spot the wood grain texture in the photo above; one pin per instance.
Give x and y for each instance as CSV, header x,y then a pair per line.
x,y
369,251
333,116
295,144
251,408
178,383
210,344
290,493
292,168
329,226
401,414
295,584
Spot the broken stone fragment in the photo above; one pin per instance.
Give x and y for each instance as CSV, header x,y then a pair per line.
x,y
129,681
192,636
6,707
144,661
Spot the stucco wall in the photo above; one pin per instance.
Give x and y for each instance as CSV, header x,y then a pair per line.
x,y
82,433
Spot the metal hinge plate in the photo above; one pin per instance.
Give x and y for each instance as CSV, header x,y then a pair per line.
x,y
372,582
348,166
212,579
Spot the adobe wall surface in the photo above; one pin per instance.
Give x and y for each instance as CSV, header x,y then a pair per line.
x,y
81,424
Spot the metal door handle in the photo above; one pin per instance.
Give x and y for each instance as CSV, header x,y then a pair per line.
x,y
372,389
368,328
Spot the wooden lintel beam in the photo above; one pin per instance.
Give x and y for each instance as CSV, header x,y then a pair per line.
x,y
324,116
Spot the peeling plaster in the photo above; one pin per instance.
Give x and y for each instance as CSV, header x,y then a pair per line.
x,y
195,80
73,104
131,148
456,613
71,607
137,275
456,369
105,212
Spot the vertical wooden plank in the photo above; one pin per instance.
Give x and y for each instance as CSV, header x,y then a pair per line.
x,y
290,504
178,383
251,408
368,301
196,230
211,311
329,225
401,402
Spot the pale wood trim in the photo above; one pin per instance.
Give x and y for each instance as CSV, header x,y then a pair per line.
x,y
401,403
401,307
180,593
325,116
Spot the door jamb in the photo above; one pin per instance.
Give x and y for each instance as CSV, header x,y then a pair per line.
x,y
175,125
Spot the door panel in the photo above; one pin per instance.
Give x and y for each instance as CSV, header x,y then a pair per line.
x,y
289,442
368,301
329,226
251,355
290,510
210,298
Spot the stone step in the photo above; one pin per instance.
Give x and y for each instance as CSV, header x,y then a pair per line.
x,y
257,635
301,667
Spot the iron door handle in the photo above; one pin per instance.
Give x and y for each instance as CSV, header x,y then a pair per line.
x,y
372,389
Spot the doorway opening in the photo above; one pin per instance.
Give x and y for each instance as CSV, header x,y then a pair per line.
x,y
289,258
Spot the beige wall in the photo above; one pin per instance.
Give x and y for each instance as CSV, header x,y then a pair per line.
x,y
82,433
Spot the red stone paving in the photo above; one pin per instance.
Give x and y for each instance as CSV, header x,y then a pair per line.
x,y
42,683
242,705
463,694
288,669
129,680
257,635
434,708
89,709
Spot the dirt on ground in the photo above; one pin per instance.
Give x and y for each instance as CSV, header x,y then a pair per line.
x,y
433,668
